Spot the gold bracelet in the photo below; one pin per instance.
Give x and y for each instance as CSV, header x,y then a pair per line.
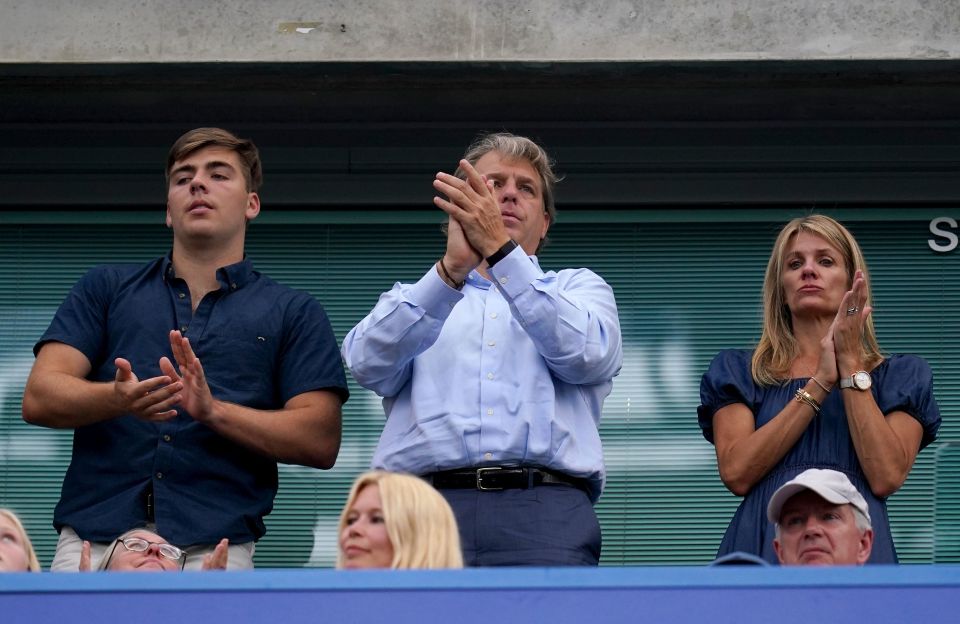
x,y
817,381
804,397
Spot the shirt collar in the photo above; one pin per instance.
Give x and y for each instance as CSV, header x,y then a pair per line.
x,y
232,276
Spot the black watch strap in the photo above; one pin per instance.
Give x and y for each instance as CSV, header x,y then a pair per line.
x,y
501,253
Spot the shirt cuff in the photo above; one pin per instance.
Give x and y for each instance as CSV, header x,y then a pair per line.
x,y
514,274
434,295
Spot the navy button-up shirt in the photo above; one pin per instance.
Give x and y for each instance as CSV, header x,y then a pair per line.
x,y
260,343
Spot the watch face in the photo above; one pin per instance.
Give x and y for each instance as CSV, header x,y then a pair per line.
x,y
862,380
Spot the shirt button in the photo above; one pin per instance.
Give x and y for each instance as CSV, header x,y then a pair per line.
x,y
493,315
492,343
490,412
504,280
183,329
182,295
489,375
488,455
166,438
159,475
233,286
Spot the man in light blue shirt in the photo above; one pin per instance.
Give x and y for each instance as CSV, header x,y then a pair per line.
x,y
494,372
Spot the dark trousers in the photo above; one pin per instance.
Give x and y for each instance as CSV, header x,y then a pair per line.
x,y
549,525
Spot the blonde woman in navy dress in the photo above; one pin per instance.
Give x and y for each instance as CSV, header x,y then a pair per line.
x,y
816,392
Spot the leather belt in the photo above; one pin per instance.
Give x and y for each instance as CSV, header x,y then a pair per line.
x,y
494,478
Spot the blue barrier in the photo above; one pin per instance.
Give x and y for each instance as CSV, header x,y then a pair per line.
x,y
735,594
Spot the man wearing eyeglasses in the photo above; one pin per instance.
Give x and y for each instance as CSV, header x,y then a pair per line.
x,y
159,438
141,550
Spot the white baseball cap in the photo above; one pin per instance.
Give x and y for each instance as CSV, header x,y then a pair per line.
x,y
832,486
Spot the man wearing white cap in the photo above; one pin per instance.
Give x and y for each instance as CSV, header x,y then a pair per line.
x,y
820,519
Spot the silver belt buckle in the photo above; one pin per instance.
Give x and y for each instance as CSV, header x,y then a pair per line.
x,y
483,471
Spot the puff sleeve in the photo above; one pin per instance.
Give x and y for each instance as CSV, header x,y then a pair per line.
x,y
727,381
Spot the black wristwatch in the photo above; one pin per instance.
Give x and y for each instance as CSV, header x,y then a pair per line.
x,y
501,253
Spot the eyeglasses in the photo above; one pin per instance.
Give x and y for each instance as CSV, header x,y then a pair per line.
x,y
138,544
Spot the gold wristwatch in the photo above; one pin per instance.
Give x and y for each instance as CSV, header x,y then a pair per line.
x,y
860,380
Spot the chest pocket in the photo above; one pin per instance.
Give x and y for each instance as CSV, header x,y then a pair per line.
x,y
242,368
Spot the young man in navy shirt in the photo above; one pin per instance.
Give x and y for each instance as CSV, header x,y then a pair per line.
x,y
188,378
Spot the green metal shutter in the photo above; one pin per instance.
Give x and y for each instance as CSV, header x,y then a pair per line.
x,y
687,285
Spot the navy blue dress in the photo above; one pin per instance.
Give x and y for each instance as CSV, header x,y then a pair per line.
x,y
900,382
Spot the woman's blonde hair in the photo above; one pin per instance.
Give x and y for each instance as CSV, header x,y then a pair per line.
x,y
33,564
419,521
778,348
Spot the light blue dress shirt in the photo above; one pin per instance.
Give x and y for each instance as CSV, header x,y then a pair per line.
x,y
509,372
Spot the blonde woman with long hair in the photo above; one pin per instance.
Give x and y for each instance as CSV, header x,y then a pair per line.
x,y
394,520
816,392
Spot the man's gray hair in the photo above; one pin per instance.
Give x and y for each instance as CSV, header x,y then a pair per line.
x,y
516,147
863,523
